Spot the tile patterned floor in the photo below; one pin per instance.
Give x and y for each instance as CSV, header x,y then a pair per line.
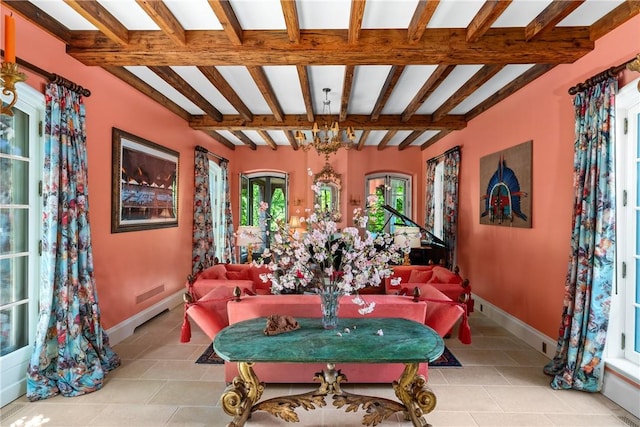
x,y
500,384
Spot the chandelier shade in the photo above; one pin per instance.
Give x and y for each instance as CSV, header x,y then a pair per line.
x,y
326,138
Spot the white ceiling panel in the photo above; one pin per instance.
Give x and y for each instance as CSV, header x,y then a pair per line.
x,y
129,14
199,82
520,13
286,85
455,13
63,13
278,137
368,82
255,137
412,79
242,83
194,14
500,80
458,77
326,14
152,79
382,14
230,137
326,76
375,136
259,14
589,12
400,136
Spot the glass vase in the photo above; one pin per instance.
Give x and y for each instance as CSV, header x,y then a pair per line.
x,y
329,304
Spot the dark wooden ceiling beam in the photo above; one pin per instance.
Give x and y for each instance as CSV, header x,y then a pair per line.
x,y
267,138
260,78
437,137
386,138
245,139
100,17
329,47
221,139
290,11
171,77
363,139
421,17
355,20
39,18
486,16
162,16
216,79
140,85
477,80
346,92
432,83
291,139
387,89
549,17
613,19
228,19
303,76
293,122
409,139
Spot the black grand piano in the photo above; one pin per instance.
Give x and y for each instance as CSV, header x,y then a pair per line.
x,y
432,250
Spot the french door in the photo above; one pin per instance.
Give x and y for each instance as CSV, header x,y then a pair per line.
x,y
20,213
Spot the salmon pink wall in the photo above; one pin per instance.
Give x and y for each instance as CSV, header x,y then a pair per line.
x,y
522,271
132,263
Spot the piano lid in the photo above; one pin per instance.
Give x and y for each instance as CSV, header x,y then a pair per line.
x,y
432,238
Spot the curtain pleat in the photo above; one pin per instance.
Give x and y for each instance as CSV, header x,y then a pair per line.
x,y
71,350
203,246
578,363
450,203
429,196
229,247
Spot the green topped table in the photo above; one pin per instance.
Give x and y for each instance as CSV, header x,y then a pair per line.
x,y
356,340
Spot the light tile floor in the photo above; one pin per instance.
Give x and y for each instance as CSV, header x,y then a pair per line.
x,y
500,384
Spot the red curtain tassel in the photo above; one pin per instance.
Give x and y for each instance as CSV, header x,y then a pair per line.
x,y
464,333
185,331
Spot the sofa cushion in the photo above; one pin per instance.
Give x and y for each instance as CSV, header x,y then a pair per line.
x,y
238,275
216,272
444,275
420,276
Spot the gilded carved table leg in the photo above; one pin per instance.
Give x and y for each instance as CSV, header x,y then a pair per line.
x,y
239,396
413,392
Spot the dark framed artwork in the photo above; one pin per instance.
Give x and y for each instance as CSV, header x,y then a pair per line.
x,y
144,184
505,187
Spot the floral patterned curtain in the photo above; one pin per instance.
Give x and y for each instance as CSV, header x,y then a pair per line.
x,y
450,203
578,361
429,196
229,254
71,351
203,249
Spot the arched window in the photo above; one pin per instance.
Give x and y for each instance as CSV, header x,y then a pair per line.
x,y
393,189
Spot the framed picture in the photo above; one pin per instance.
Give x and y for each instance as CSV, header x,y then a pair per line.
x,y
144,184
505,187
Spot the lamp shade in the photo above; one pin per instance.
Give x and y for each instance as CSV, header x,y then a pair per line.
x,y
407,236
294,221
248,235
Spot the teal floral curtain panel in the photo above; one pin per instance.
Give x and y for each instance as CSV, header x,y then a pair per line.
x,y
71,351
429,195
203,249
578,361
450,203
229,254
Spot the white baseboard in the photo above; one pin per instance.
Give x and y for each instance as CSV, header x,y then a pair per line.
x,y
126,328
617,386
517,327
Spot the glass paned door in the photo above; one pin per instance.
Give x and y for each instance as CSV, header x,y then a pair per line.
x,y
19,233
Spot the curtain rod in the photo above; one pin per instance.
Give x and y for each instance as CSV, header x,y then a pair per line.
x,y
204,150
52,77
450,150
631,64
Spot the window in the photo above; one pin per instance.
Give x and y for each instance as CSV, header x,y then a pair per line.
x,y
20,214
623,337
270,188
217,196
393,190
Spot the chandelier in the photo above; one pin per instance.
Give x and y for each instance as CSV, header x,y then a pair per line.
x,y
328,138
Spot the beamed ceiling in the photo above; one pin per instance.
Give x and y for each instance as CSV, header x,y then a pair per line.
x,y
401,72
